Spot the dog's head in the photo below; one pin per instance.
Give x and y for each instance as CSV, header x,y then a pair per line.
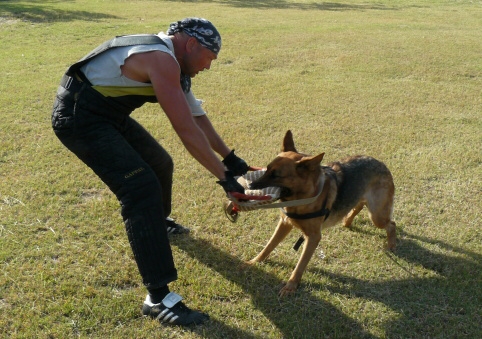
x,y
294,172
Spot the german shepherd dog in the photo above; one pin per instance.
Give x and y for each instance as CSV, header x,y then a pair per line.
x,y
343,189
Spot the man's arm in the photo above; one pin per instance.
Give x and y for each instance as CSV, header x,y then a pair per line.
x,y
163,72
216,142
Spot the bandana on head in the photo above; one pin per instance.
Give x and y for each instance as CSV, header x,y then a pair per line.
x,y
201,29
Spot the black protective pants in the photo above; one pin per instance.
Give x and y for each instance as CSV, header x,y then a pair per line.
x,y
130,162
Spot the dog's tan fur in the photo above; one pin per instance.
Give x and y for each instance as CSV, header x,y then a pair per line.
x,y
348,186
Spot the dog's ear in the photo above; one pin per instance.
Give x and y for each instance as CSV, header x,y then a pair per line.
x,y
311,163
288,143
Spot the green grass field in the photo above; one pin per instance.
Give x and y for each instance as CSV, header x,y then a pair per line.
x,y
398,80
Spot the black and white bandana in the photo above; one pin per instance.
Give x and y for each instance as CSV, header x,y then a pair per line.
x,y
201,29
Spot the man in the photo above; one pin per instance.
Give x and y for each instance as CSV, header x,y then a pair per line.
x,y
91,117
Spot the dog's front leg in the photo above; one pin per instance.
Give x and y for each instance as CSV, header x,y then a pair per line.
x,y
308,249
279,234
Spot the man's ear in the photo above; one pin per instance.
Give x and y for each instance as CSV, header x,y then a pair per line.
x,y
190,44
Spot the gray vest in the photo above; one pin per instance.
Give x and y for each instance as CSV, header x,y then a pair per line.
x,y
124,41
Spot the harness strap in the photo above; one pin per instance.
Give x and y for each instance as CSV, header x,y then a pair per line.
x,y
298,243
320,213
323,212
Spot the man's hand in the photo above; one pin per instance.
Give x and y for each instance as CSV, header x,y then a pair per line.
x,y
230,184
236,165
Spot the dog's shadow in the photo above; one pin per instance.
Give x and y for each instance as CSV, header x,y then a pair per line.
x,y
450,291
417,311
291,315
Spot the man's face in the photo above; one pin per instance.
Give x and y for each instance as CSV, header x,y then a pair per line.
x,y
197,58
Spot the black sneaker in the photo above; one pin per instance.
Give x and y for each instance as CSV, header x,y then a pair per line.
x,y
172,311
175,228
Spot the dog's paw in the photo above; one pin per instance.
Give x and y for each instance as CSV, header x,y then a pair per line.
x,y
288,289
249,263
391,244
254,261
390,247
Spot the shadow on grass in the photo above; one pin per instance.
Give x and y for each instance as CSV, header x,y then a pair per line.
x,y
275,4
44,11
443,303
292,316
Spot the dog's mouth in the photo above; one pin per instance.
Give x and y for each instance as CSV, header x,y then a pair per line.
x,y
285,192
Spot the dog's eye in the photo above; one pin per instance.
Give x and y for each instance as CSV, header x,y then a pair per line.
x,y
274,175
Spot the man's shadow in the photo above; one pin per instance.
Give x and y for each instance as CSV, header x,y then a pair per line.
x,y
291,315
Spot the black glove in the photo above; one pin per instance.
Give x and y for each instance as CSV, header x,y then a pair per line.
x,y
235,164
230,184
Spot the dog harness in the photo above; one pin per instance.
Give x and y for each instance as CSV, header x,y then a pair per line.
x,y
273,194
323,212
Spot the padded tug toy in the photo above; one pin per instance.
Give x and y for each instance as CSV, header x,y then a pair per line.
x,y
263,198
251,199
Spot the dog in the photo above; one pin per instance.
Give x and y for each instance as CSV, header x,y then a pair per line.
x,y
342,188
